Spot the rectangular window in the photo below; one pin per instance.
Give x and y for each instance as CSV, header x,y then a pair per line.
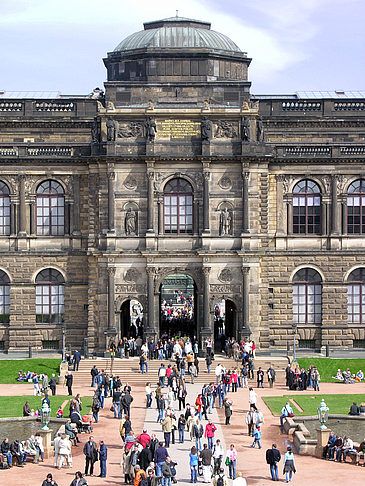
x,y
307,343
359,343
51,345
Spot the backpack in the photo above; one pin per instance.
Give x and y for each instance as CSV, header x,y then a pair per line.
x,y
143,481
220,481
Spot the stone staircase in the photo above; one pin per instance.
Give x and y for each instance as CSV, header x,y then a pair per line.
x,y
128,369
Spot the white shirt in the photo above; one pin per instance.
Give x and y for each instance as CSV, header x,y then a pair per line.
x,y
218,370
252,396
239,482
217,451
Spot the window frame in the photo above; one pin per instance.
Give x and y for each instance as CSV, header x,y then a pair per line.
x,y
48,288
360,285
306,195
4,298
311,289
352,195
41,209
5,204
179,193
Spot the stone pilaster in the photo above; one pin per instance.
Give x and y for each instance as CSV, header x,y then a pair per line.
x,y
150,202
206,219
280,206
22,207
206,319
75,210
335,207
111,300
111,179
151,300
245,329
245,208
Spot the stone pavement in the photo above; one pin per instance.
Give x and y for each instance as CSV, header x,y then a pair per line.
x,y
310,471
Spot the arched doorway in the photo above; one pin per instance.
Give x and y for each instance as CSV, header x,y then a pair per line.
x,y
131,319
224,323
177,306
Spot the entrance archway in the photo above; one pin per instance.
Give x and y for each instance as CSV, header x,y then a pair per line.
x,y
224,323
131,319
177,306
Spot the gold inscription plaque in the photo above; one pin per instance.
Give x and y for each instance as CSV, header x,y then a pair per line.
x,y
175,129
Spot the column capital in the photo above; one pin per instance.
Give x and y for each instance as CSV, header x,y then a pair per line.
x,y
111,175
206,174
150,271
245,175
245,270
280,177
150,174
111,271
22,177
206,271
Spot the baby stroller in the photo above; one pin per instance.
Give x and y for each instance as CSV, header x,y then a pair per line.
x,y
86,424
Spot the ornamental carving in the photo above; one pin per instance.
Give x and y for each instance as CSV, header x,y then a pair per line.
x,y
225,183
132,275
225,275
130,288
130,183
341,183
225,129
225,288
130,130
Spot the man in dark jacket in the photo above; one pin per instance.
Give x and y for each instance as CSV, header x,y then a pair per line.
x,y
354,409
77,359
94,373
68,382
79,480
103,455
273,457
126,401
160,457
330,445
5,450
91,455
166,470
145,457
117,394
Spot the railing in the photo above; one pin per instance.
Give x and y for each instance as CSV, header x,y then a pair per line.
x,y
301,106
357,150
11,106
8,152
46,151
54,106
349,106
308,150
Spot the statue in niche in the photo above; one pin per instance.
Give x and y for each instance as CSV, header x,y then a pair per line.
x,y
95,131
245,129
111,129
151,129
206,128
260,129
131,222
225,222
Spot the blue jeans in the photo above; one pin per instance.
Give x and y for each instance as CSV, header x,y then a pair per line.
x,y
162,381
183,372
158,468
232,469
160,354
144,366
210,403
103,469
316,388
200,414
282,417
92,381
194,474
9,457
117,413
181,436
149,400
221,400
256,441
166,481
289,475
198,441
101,401
208,368
96,418
210,443
160,415
274,471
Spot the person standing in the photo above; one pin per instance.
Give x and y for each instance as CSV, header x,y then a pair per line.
x,y
217,456
94,373
181,423
95,407
273,457
289,465
208,361
250,421
271,376
68,382
103,455
79,480
166,429
227,410
64,451
160,457
77,359
148,391
193,455
53,384
220,479
206,457
37,390
166,470
260,378
91,455
198,432
252,398
210,428
231,461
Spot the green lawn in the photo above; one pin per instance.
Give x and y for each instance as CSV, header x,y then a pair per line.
x,y
328,366
9,368
309,403
13,406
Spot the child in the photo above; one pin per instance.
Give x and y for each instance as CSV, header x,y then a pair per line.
x,y
59,412
257,438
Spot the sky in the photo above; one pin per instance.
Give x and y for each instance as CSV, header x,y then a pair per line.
x,y
295,45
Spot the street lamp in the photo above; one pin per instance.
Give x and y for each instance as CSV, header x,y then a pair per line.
x,y
322,411
45,415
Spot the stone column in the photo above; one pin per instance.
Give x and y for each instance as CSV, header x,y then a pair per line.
x,y
13,216
111,299
206,222
245,330
151,299
196,218
111,178
150,202
23,209
289,202
245,209
335,208
206,316
75,210
280,206
160,215
33,219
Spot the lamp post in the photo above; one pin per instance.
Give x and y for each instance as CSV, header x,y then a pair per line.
x,y
322,411
45,415
294,328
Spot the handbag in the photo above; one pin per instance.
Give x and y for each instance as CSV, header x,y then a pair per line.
x,y
227,461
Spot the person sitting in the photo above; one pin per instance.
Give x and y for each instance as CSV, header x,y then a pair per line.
x,y
347,377
30,448
354,409
17,452
26,410
359,376
360,453
362,408
5,450
339,376
60,412
330,445
347,447
71,433
333,450
286,411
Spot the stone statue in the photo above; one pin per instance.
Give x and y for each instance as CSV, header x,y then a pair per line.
x,y
245,106
111,129
95,131
260,129
206,128
226,220
130,222
151,129
245,129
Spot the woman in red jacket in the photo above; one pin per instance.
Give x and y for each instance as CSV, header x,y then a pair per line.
x,y
198,406
210,428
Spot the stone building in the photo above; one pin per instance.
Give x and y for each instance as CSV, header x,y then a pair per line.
x,y
180,178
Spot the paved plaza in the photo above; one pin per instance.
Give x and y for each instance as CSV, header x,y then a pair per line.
x,y
310,470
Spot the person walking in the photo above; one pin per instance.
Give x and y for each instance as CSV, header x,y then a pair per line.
x,y
94,373
257,438
64,451
210,429
231,461
260,378
76,359
194,460
166,470
103,455
271,375
181,423
220,479
289,465
273,457
227,410
208,361
217,456
206,457
91,456
79,480
53,384
95,407
252,398
49,481
148,391
166,429
160,457
198,432
250,421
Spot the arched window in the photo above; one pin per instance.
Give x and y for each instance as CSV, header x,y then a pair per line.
x,y
4,209
307,297
356,296
50,209
356,208
306,208
49,296
178,207
4,298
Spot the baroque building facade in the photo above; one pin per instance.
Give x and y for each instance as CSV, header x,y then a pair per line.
x,y
180,175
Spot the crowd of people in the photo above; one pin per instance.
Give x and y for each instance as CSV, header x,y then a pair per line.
x,y
301,379
346,376
338,448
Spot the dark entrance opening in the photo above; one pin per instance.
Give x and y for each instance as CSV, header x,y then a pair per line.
x,y
131,319
177,300
224,323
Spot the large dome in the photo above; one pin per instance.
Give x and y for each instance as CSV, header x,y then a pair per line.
x,y
177,33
